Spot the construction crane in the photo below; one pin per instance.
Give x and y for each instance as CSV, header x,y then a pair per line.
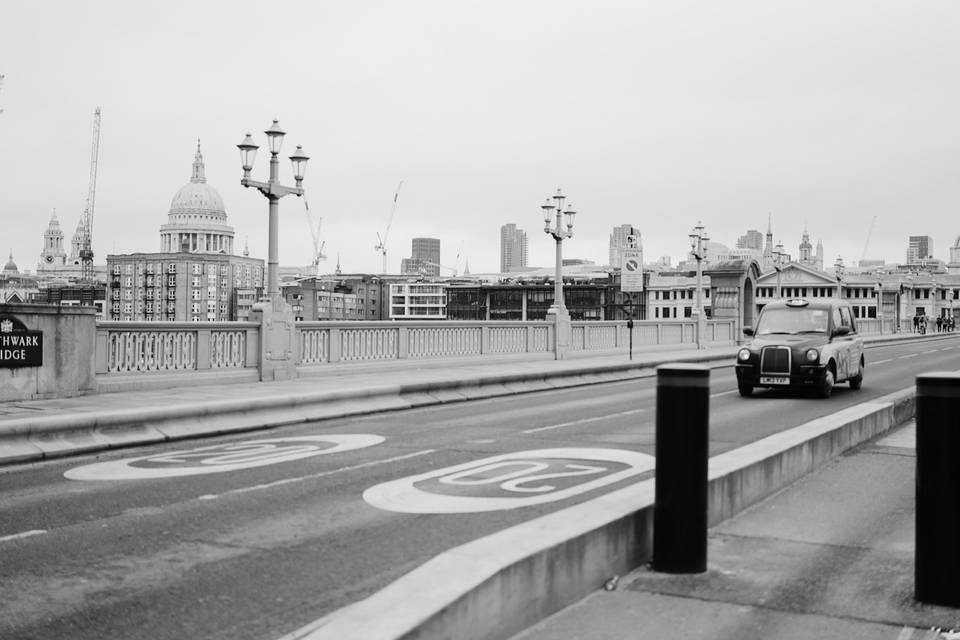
x,y
381,245
86,241
867,243
318,253
455,269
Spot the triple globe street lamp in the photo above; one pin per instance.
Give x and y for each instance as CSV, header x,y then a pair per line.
x,y
698,249
273,191
554,213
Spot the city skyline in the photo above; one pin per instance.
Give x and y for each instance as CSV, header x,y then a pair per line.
x,y
666,116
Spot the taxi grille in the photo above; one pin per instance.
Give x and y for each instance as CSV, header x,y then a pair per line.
x,y
775,360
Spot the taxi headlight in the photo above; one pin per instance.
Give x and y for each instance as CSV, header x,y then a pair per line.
x,y
812,355
743,354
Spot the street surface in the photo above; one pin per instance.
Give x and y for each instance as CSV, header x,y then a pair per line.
x,y
255,535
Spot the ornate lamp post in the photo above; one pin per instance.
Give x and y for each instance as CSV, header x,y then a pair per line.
x,y
778,255
879,292
838,271
698,248
552,213
273,190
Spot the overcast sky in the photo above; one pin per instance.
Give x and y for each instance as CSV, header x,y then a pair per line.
x,y
660,114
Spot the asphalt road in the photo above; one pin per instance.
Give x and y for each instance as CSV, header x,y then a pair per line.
x,y
161,547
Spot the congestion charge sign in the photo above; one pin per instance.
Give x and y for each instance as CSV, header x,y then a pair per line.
x,y
19,347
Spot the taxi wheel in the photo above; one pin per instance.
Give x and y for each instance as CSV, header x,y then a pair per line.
x,y
857,381
826,387
746,390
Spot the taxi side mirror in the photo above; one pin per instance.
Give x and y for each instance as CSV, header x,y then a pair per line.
x,y
748,331
841,331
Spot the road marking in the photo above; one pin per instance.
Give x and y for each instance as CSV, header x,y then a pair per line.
x,y
723,393
881,361
909,355
270,485
24,534
946,349
583,421
221,458
931,351
509,481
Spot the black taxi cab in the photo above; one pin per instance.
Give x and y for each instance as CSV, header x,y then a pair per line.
x,y
801,343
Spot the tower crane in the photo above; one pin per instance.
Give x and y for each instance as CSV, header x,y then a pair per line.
x,y
455,269
381,245
867,243
318,253
86,242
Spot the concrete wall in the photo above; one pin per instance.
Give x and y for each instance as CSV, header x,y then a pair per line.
x,y
69,339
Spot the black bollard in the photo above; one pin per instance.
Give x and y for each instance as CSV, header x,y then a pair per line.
x,y
682,449
937,528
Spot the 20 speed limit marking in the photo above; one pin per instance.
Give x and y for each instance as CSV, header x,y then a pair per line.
x,y
221,458
509,481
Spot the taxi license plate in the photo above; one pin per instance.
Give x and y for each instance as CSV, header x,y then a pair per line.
x,y
774,380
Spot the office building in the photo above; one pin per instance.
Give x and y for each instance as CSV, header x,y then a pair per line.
x,y
424,258
618,242
919,248
513,249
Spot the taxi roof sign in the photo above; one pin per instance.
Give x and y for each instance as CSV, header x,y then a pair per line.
x,y
797,302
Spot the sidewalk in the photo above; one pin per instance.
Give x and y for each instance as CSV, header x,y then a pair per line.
x,y
829,557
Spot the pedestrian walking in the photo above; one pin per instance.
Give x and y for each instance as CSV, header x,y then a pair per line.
x,y
939,324
916,323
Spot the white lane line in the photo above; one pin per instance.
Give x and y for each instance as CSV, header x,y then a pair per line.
x,y
23,534
909,355
946,349
583,421
270,485
723,393
880,361
931,351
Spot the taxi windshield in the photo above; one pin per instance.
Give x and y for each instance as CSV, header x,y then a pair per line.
x,y
792,320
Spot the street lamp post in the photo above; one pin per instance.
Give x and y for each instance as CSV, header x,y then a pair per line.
x,y
698,248
880,305
553,213
277,323
273,190
838,271
778,255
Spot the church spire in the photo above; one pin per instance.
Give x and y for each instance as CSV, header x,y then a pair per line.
x,y
198,175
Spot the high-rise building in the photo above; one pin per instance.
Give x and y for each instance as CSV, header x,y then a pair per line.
x,y
513,248
919,248
618,240
753,239
424,257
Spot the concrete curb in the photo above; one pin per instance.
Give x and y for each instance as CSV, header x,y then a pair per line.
x,y
499,585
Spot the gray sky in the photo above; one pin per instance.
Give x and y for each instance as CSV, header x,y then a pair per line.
x,y
660,114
